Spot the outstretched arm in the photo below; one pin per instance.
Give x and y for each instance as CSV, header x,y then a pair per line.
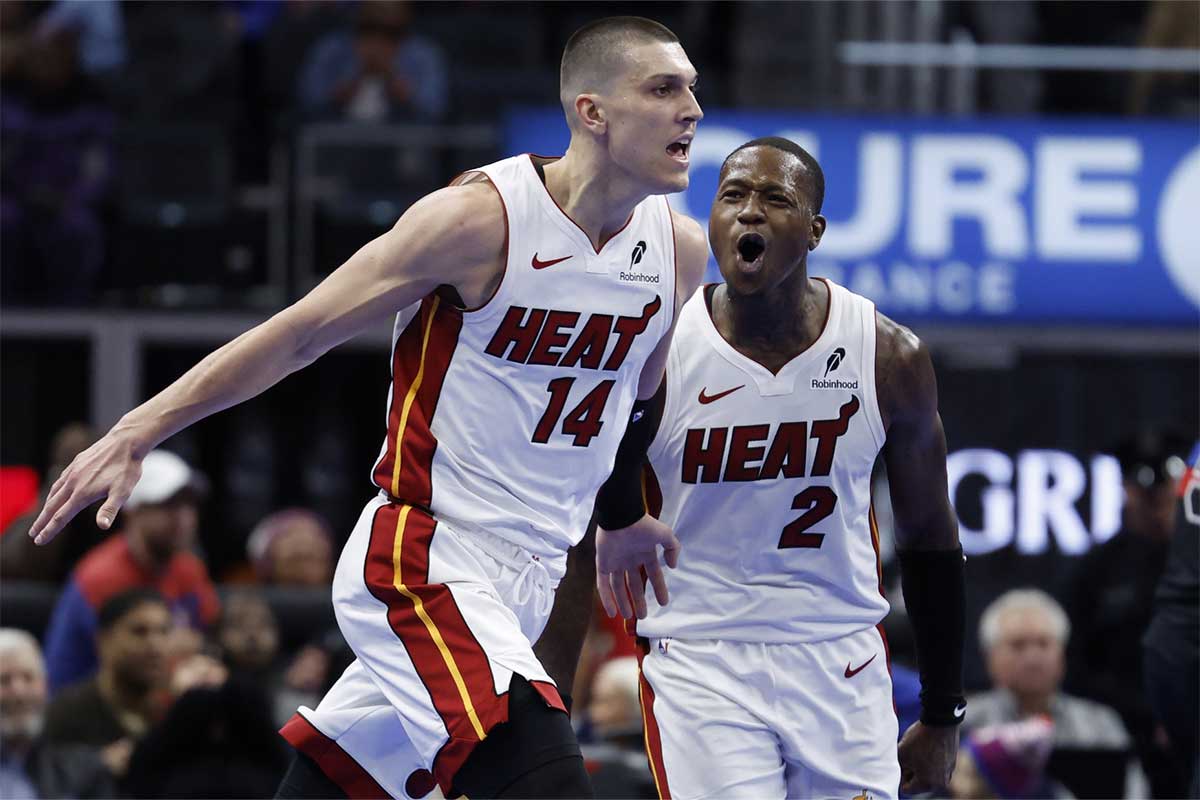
x,y
385,275
931,562
628,538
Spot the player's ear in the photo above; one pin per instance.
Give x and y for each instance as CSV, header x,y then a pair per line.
x,y
591,115
816,231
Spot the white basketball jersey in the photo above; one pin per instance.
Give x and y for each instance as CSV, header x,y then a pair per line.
x,y
507,417
766,480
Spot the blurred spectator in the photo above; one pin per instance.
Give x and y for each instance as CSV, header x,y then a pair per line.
x,y
29,767
20,558
159,526
1170,24
248,636
182,62
613,752
380,72
55,165
101,30
293,547
1113,595
217,740
287,43
1007,761
129,692
1172,640
614,710
1024,635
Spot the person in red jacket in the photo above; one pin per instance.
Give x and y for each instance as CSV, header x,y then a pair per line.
x,y
153,551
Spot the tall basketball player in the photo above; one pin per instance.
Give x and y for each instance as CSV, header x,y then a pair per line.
x,y
535,302
767,675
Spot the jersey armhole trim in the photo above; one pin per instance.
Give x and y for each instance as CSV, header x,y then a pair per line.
x,y
870,369
659,443
489,307
675,263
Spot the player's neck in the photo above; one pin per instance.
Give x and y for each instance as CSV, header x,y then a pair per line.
x,y
597,203
772,327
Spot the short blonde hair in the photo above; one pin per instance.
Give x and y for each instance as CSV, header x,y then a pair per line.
x,y
1022,600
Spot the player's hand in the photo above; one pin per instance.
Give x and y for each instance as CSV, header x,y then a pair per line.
x,y
927,756
108,469
623,556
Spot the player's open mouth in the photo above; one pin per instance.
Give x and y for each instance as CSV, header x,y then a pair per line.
x,y
751,247
678,150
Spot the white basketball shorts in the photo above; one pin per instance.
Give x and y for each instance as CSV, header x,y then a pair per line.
x,y
440,621
739,719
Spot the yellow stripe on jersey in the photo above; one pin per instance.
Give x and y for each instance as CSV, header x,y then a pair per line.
x,y
410,397
434,633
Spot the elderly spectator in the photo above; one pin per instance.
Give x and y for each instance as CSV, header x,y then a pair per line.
x,y
379,72
159,527
293,547
29,766
1112,599
130,690
613,750
1024,635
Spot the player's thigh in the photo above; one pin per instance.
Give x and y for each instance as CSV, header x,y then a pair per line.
x,y
836,717
703,742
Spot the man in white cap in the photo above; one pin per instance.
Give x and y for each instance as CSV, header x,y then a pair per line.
x,y
152,550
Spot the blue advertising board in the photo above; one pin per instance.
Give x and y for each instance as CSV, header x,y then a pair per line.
x,y
1038,220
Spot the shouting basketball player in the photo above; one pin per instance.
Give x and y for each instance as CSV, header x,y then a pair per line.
x,y
767,675
535,301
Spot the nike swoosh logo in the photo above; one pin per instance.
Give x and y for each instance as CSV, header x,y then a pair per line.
x,y
850,673
960,710
705,399
543,264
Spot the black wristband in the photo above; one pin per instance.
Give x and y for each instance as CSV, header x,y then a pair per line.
x,y
934,595
619,503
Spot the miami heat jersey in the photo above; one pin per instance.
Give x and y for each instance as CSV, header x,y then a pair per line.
x,y
507,418
766,480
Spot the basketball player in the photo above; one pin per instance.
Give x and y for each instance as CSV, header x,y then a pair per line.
x,y
535,301
767,675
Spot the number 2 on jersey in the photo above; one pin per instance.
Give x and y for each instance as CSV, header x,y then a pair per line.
x,y
818,503
583,422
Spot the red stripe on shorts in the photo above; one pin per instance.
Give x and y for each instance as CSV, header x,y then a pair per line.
x,y
437,638
338,765
650,730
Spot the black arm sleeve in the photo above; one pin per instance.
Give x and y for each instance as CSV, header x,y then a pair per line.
x,y
934,594
619,502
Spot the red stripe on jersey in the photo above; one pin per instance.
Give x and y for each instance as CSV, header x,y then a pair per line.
x,y
338,765
875,544
420,358
449,660
650,731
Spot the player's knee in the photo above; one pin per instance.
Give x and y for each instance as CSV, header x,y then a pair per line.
x,y
533,754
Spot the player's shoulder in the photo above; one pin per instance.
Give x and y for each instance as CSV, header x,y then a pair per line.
x,y
903,366
469,215
691,248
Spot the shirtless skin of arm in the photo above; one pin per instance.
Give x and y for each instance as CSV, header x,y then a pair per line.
x,y
915,456
561,642
385,275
